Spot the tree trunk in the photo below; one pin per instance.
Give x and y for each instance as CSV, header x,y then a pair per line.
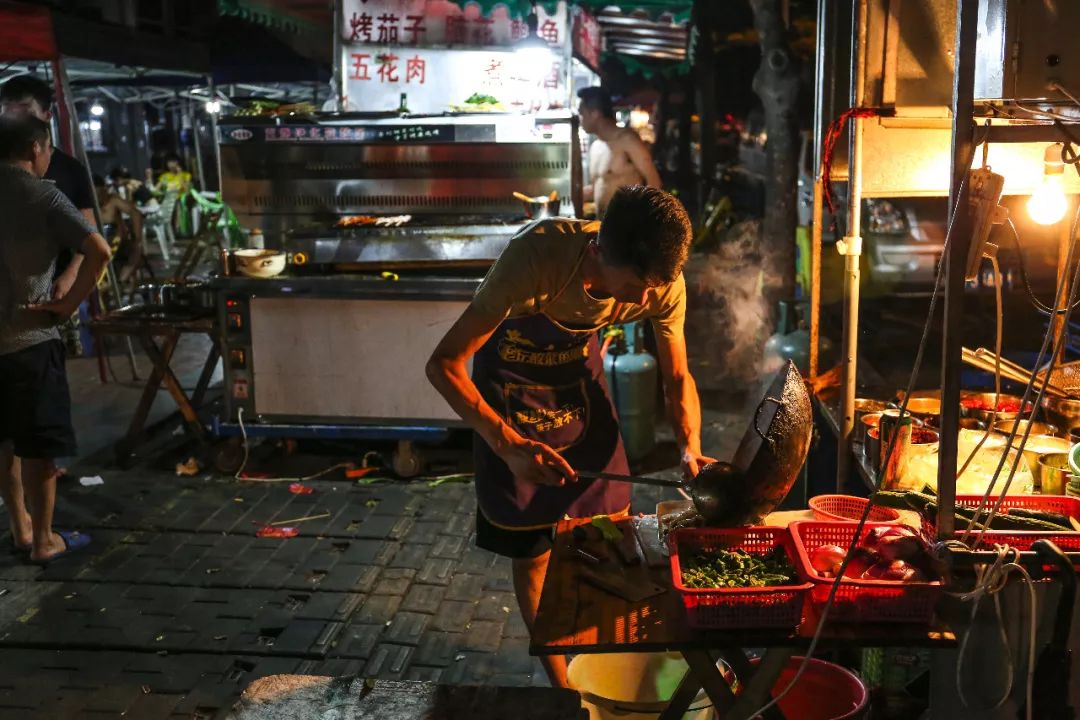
x,y
777,84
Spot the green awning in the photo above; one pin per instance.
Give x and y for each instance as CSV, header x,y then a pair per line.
x,y
280,14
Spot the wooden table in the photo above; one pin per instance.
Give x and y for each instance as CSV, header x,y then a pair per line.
x,y
577,617
148,328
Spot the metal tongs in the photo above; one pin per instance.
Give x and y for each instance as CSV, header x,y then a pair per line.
x,y
706,489
984,360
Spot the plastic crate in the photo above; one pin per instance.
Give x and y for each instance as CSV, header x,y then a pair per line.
x,y
1022,539
848,508
780,606
859,600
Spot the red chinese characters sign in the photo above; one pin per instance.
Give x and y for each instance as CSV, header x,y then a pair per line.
x,y
434,23
587,39
437,80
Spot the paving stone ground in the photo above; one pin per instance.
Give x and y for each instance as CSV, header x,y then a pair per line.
x,y
176,605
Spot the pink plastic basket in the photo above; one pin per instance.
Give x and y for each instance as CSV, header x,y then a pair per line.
x,y
848,508
858,600
1022,539
727,608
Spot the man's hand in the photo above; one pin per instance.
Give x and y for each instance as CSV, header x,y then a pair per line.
x,y
63,282
63,307
692,463
538,463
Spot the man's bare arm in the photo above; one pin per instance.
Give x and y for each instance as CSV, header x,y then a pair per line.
x,y
95,254
447,369
641,157
683,404
63,282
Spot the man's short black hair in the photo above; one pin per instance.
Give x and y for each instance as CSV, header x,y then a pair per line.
x,y
18,135
119,173
99,181
597,98
24,86
648,230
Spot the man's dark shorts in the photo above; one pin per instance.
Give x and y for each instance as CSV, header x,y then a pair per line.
x,y
517,544
35,405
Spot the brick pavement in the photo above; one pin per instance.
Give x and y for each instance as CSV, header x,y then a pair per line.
x,y
177,606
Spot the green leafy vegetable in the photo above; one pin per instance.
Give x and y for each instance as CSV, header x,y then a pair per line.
x,y
737,569
481,99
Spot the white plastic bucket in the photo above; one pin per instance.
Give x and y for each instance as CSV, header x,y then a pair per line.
x,y
631,686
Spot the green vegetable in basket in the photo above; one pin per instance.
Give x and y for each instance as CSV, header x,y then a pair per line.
x,y
737,569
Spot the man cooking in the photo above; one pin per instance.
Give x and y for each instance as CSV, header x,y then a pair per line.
x,y
537,396
618,156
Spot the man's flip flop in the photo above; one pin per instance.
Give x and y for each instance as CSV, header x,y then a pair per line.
x,y
73,542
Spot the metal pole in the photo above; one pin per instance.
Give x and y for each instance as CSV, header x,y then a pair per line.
x,y
1064,239
193,119
815,278
80,152
963,134
815,221
339,61
851,248
214,135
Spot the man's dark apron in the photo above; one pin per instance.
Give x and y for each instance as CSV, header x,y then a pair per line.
x,y
547,382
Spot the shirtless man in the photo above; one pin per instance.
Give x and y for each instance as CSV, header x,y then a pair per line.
x,y
618,157
113,208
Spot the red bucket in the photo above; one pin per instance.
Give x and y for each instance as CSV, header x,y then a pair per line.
x,y
825,691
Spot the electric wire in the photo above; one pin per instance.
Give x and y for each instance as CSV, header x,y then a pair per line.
x,y
857,534
1024,402
243,478
991,579
1042,307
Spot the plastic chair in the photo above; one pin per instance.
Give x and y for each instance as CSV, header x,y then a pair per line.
x,y
162,224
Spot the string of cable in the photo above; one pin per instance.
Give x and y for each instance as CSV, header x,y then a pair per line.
x,y
1026,402
991,579
912,379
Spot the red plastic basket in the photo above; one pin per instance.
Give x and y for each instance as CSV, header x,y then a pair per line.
x,y
848,508
858,600
725,608
1022,539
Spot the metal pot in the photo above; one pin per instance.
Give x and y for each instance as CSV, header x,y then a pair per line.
x,y
1063,412
926,409
987,400
1036,446
866,406
1052,473
541,206
1037,428
868,422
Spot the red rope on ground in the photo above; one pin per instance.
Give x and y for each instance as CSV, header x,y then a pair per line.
x,y
832,136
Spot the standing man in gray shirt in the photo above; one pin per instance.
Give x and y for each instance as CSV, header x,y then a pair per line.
x,y
35,416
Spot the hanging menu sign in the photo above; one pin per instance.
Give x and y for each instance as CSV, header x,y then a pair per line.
x,y
436,23
587,38
437,80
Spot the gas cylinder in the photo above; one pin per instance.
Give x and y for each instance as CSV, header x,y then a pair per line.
x,y
791,341
631,377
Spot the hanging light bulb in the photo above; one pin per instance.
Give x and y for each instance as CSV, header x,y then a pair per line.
x,y
1048,203
532,53
213,106
97,109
